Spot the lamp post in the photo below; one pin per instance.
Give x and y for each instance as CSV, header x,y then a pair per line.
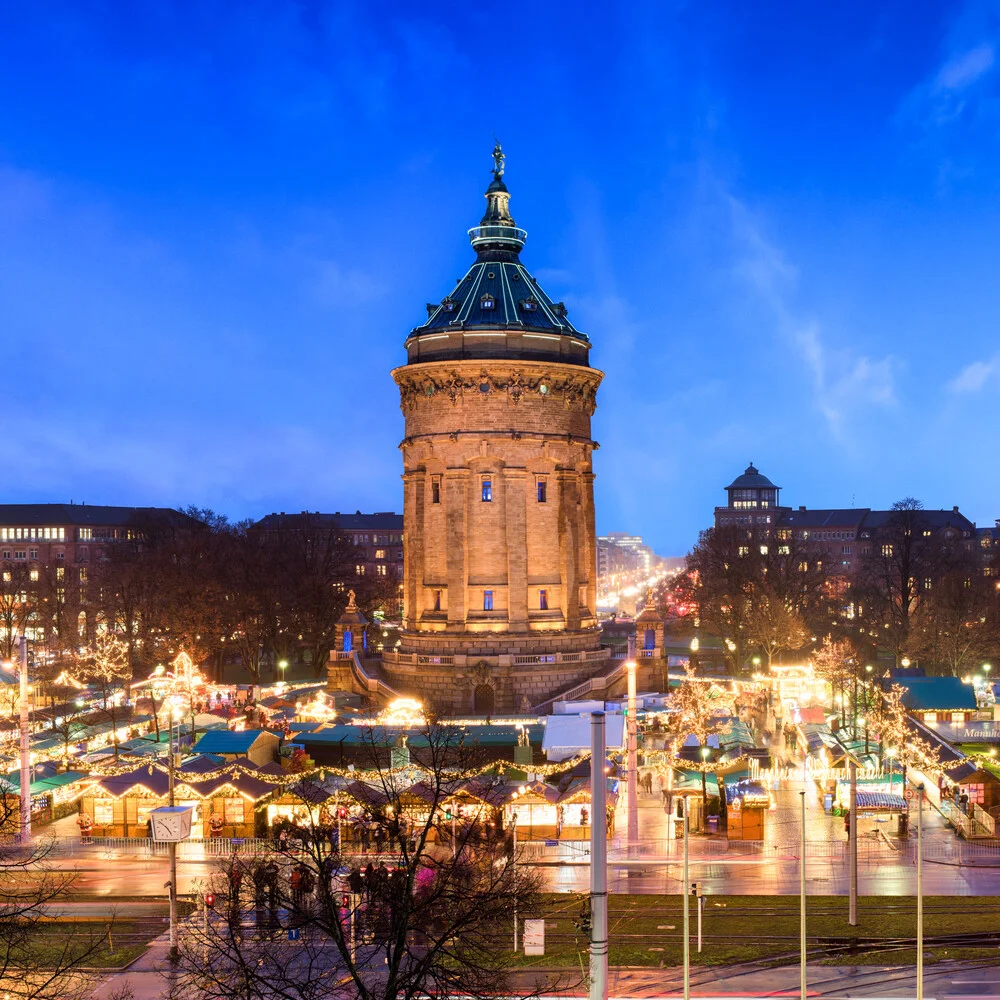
x,y
598,861
24,836
282,667
705,751
172,845
633,762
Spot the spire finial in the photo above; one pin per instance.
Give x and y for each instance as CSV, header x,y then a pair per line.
x,y
498,159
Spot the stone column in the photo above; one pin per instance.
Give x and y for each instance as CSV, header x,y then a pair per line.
x,y
515,485
456,499
588,550
414,486
569,547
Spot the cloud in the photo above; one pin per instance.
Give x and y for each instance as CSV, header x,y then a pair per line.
x,y
966,68
972,378
953,92
844,382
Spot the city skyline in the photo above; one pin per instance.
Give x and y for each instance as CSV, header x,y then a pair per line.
x,y
207,284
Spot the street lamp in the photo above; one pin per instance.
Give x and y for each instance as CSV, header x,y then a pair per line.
x,y
705,751
282,666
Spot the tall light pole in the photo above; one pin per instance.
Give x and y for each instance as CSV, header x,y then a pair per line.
x,y
920,892
802,901
24,836
686,890
852,833
633,749
598,861
172,845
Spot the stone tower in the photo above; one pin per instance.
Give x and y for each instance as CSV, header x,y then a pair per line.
x,y
500,581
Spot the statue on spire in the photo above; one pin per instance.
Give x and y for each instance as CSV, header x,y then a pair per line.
x,y
498,159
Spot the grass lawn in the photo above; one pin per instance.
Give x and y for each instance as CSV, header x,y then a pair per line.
x,y
647,930
56,943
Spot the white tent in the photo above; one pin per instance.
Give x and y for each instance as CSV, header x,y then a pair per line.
x,y
566,735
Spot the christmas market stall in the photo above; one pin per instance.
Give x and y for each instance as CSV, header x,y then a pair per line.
x,y
747,805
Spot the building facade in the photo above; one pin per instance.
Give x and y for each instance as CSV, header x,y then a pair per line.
x,y
377,539
500,583
839,537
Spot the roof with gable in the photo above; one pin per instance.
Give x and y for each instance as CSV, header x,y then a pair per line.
x,y
850,518
230,741
96,516
936,694
379,521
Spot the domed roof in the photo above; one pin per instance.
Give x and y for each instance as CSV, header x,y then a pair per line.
x,y
752,478
498,301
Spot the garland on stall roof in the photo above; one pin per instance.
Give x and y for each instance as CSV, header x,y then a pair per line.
x,y
318,773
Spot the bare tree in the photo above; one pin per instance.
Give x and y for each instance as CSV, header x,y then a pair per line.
x,y
39,959
437,924
18,604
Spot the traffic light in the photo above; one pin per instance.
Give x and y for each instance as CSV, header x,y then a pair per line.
x,y
209,899
582,923
695,889
447,814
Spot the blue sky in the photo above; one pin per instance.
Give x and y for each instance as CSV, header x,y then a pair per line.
x,y
777,222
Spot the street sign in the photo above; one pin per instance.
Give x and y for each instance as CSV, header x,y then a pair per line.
x,y
534,937
908,794
293,933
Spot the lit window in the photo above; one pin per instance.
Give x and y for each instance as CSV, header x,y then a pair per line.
x,y
487,600
543,600
763,550
83,574
380,553
359,569
887,550
34,576
541,491
784,550
487,491
86,534
487,302
60,572
380,570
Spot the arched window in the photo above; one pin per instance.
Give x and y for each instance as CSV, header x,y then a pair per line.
x,y
484,699
348,640
649,639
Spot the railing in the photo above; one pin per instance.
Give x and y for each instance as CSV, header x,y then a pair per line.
x,y
373,685
647,653
479,233
599,683
446,660
982,820
193,847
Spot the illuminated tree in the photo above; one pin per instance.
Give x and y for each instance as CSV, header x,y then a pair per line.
x,y
106,666
693,716
898,737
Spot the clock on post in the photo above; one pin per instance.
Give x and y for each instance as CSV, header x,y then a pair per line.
x,y
171,823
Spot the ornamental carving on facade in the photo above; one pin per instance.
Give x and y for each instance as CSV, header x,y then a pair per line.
x,y
575,390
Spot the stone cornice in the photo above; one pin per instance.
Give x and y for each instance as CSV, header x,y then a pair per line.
x,y
573,385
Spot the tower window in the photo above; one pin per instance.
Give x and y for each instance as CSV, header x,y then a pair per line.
x,y
437,600
541,490
487,302
487,491
529,305
435,491
487,600
448,304
543,600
